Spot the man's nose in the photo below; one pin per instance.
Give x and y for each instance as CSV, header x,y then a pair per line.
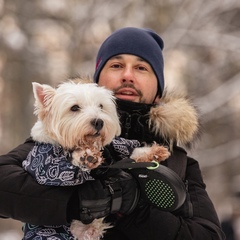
x,y
128,75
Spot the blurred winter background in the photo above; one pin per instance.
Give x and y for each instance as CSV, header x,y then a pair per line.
x,y
48,40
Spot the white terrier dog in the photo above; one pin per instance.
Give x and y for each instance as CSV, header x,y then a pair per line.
x,y
81,117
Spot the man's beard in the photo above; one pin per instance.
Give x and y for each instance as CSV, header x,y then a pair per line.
x,y
130,85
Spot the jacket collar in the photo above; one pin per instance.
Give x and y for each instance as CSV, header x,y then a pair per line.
x,y
133,107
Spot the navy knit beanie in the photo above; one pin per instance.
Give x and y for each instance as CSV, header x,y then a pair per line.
x,y
143,43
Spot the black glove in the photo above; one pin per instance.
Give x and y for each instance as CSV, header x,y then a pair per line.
x,y
125,192
99,198
94,201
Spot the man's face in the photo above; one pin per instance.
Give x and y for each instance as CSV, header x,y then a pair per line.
x,y
130,78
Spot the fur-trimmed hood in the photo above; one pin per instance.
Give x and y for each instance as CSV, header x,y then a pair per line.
x,y
175,119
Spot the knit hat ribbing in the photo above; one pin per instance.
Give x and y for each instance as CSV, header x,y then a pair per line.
x,y
143,43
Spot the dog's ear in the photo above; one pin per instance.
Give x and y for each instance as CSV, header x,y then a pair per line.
x,y
43,94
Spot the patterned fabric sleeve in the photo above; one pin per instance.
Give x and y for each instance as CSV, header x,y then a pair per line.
x,y
49,165
124,147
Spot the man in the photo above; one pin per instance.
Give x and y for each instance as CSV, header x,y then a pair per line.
x,y
130,63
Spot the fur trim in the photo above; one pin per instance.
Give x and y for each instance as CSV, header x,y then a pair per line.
x,y
175,118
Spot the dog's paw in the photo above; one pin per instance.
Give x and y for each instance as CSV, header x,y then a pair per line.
x,y
150,153
159,153
86,159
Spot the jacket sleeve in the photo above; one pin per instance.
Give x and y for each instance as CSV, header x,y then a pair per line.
x,y
22,198
196,219
202,221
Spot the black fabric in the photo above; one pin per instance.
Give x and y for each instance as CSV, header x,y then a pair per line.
x,y
94,201
178,161
98,198
138,226
130,192
22,198
103,172
134,119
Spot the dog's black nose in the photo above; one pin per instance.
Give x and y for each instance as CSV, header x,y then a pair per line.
x,y
97,124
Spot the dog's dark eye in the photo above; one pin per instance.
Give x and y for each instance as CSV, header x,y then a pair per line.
x,y
75,108
101,106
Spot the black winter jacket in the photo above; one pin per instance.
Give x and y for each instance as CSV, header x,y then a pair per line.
x,y
171,122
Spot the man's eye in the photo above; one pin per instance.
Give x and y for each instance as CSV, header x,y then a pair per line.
x,y
142,68
115,66
75,108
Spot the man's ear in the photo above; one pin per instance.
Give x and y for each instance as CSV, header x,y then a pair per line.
x,y
157,98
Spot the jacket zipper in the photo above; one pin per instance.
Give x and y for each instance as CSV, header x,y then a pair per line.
x,y
127,125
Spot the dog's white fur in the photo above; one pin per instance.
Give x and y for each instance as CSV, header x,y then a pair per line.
x,y
66,116
69,116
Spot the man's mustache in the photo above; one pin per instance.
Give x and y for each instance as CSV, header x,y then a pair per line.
x,y
127,85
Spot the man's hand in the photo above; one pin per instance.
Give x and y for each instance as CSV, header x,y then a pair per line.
x,y
99,198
